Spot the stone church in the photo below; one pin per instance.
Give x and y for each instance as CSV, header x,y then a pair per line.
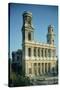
x,y
37,58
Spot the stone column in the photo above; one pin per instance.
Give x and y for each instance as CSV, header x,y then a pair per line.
x,y
50,67
32,69
40,52
26,69
54,53
47,67
43,52
51,53
37,69
41,68
47,52
36,52
32,51
44,68
26,51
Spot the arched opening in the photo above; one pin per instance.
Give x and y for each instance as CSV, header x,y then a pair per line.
x,y
29,36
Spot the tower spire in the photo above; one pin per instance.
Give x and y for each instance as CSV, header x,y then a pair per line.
x,y
50,35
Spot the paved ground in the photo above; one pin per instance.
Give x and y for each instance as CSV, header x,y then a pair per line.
x,y
45,81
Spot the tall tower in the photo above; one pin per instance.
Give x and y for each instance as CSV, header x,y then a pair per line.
x,y
50,35
27,28
27,36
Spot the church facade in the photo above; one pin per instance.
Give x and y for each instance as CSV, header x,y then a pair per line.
x,y
37,58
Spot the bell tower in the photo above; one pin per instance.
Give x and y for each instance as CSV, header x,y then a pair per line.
x,y
27,28
50,35
27,36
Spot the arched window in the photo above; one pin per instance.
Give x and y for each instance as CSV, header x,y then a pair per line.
x,y
29,36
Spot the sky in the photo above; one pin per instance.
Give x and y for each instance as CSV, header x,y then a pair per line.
x,y
42,16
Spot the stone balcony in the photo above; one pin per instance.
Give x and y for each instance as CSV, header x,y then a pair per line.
x,y
40,58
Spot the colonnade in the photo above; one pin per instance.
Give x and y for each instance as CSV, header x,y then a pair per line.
x,y
40,52
40,68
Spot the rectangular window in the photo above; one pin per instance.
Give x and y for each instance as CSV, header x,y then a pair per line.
x,y
29,52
